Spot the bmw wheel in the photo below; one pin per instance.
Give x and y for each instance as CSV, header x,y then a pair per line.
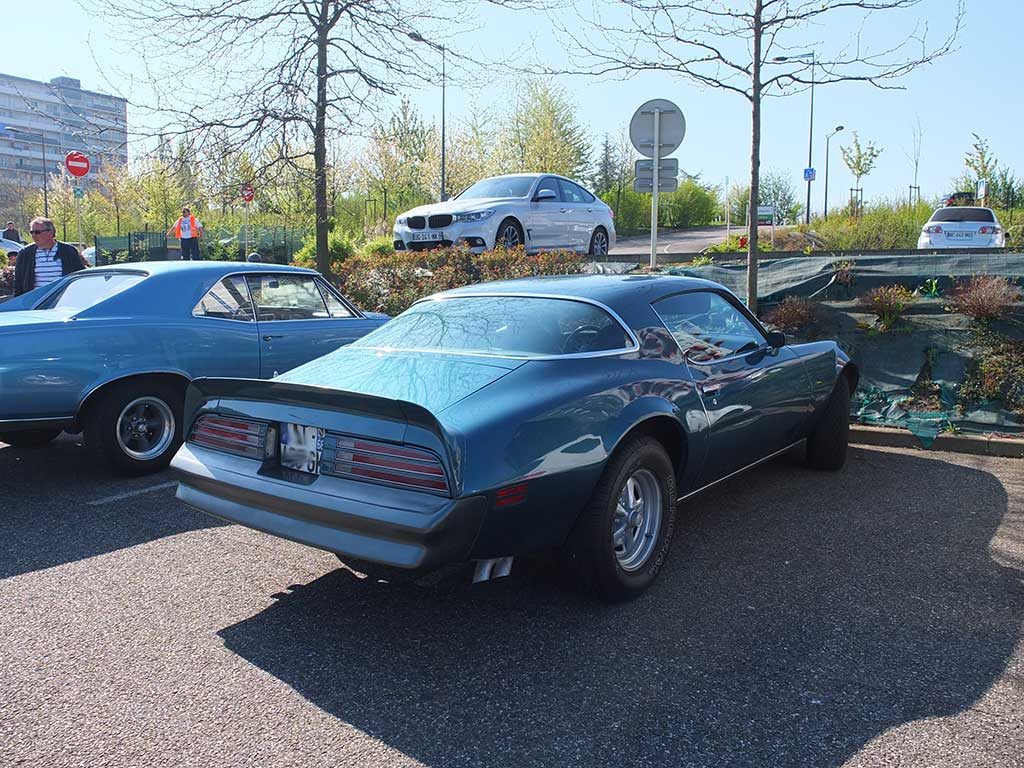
x,y
510,235
599,243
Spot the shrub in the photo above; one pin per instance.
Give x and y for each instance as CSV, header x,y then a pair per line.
x,y
984,297
844,272
338,247
378,246
390,283
887,303
996,374
794,314
6,281
734,245
703,260
880,227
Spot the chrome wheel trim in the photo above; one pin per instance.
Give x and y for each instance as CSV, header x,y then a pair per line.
x,y
145,428
600,243
637,520
509,236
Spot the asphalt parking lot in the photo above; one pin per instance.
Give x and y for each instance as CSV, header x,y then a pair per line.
x,y
871,617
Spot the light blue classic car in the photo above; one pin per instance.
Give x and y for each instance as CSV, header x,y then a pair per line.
x,y
110,351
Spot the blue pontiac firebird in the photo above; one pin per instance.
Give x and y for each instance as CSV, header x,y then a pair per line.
x,y
501,419
110,351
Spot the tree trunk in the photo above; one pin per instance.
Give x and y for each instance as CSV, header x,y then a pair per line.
x,y
323,257
755,161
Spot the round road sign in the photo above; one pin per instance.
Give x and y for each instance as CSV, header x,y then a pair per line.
x,y
248,193
670,133
76,163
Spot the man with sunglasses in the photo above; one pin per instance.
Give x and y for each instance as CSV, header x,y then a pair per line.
x,y
46,260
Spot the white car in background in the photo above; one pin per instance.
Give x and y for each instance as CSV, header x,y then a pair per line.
x,y
962,227
539,211
9,248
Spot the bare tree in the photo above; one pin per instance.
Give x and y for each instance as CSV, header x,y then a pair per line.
x,y
281,74
914,156
729,46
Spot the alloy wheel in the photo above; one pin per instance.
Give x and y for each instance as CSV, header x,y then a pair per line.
x,y
637,520
145,428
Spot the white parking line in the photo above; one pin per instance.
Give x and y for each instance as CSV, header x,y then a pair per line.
x,y
129,494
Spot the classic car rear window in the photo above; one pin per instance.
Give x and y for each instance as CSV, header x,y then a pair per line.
x,y
502,325
88,290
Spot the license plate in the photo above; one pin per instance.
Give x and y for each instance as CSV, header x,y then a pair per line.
x,y
959,235
301,447
428,236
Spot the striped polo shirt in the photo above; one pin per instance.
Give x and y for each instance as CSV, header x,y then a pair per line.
x,y
48,266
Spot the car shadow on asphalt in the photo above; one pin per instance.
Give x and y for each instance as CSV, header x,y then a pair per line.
x,y
52,510
800,616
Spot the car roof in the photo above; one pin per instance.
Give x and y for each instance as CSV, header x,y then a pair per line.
x,y
204,267
614,291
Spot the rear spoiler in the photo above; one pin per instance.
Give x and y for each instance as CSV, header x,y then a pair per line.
x,y
204,390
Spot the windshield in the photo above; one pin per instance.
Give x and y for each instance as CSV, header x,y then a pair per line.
x,y
502,325
89,290
499,186
963,214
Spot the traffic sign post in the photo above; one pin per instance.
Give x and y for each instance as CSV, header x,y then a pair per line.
x,y
78,165
656,129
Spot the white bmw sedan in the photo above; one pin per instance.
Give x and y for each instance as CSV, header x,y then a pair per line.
x,y
539,211
962,227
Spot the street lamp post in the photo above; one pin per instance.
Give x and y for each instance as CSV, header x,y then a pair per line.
x,y
810,130
418,38
828,138
10,129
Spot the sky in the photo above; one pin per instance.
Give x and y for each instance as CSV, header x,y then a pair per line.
x,y
976,89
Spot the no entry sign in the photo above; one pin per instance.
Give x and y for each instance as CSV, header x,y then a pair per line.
x,y
248,193
77,163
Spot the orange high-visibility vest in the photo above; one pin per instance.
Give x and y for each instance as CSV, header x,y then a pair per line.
x,y
191,223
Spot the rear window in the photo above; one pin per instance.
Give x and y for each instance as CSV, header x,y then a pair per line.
x,y
963,214
88,290
502,325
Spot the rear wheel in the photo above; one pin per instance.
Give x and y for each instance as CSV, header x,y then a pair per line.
x,y
599,243
623,536
827,444
136,427
29,438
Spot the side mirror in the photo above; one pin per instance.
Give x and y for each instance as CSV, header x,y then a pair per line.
x,y
545,194
776,339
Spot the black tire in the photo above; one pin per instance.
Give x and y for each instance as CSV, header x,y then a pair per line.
x,y
827,443
138,412
29,438
601,566
598,243
510,234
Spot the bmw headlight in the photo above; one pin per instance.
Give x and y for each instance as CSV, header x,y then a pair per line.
x,y
474,215
401,221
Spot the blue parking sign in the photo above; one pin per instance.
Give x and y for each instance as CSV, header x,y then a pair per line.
x,y
809,174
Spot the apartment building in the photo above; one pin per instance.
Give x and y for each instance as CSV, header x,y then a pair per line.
x,y
40,119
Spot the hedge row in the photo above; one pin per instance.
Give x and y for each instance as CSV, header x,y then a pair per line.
x,y
390,283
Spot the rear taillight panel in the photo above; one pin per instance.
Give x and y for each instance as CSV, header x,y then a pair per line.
x,y
989,230
401,466
240,437
933,229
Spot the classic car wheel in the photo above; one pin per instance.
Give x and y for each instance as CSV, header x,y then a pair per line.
x,y
623,535
510,234
29,438
599,243
826,446
137,427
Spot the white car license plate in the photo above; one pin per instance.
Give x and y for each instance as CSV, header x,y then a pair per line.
x,y
301,447
428,236
959,235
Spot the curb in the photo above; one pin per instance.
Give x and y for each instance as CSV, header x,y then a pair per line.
x,y
978,445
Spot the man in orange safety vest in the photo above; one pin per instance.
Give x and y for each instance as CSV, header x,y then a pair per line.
x,y
188,229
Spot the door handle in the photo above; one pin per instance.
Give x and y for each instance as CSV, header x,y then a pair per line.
x,y
564,210
710,389
268,337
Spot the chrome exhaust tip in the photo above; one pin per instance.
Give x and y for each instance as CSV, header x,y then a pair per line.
x,y
493,568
